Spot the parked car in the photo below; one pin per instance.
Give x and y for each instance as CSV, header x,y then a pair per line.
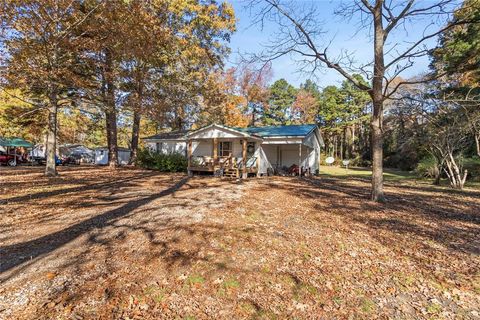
x,y
9,159
43,160
70,160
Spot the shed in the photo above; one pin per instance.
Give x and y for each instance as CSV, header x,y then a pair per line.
x,y
101,156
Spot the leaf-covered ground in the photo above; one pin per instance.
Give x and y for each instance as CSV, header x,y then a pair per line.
x,y
134,244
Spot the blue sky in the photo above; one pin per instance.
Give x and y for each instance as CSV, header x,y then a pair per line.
x,y
343,34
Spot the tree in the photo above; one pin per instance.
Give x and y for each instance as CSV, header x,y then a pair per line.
x,y
40,43
177,40
222,104
343,114
299,34
311,87
252,85
447,139
305,107
19,118
282,97
458,57
458,52
103,50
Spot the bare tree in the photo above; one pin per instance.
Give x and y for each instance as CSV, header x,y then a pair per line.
x,y
448,132
470,105
301,35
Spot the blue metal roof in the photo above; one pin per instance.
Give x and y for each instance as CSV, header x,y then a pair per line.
x,y
272,131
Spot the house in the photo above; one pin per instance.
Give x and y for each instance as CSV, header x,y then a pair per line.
x,y
169,142
101,156
220,150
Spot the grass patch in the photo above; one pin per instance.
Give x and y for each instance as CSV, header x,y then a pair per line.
x,y
157,294
194,280
227,286
434,308
231,284
388,174
367,305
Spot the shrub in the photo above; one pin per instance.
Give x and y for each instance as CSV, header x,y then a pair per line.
x,y
427,167
473,167
173,162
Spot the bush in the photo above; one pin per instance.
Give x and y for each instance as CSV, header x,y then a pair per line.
x,y
473,167
358,161
173,162
426,168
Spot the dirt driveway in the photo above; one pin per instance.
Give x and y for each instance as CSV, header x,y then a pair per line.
x,y
92,244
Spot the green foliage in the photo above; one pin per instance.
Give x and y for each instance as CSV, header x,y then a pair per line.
x,y
311,87
19,118
473,167
426,168
344,118
459,50
173,162
282,97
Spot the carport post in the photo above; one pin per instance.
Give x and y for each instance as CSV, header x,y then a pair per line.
x,y
244,156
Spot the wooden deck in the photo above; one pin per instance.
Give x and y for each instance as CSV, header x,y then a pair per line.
x,y
227,171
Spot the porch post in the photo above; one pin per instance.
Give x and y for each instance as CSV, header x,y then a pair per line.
x,y
299,159
244,156
215,150
189,157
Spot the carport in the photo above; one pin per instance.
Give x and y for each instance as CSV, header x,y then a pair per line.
x,y
9,143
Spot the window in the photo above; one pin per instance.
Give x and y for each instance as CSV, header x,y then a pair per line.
x,y
224,148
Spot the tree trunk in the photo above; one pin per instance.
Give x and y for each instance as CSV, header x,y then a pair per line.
x,y
51,145
477,142
111,124
352,145
110,112
377,98
135,135
437,174
137,114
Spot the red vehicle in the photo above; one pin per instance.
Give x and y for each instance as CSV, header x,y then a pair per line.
x,y
9,159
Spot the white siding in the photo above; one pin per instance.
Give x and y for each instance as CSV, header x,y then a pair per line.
x,y
123,157
288,154
215,132
101,157
167,146
202,148
270,153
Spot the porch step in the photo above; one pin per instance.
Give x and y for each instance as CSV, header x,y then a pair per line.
x,y
230,173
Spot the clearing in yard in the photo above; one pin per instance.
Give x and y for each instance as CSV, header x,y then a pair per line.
x,y
141,244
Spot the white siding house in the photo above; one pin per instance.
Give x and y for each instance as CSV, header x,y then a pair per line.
x,y
244,151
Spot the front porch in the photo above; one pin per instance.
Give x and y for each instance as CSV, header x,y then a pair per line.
x,y
223,152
